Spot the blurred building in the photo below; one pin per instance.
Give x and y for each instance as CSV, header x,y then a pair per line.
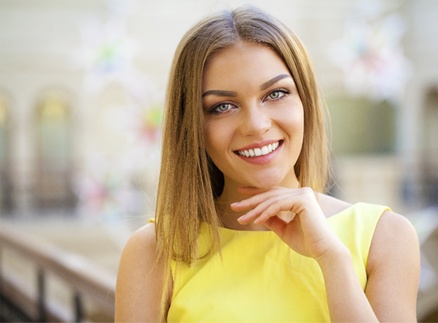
x,y
82,86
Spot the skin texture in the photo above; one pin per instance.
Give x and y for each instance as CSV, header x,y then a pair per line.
x,y
249,101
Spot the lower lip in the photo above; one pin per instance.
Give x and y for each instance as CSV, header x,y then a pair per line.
x,y
261,160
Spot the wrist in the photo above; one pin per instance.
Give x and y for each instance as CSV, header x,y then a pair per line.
x,y
335,256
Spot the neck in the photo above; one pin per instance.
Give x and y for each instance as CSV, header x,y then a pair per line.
x,y
229,217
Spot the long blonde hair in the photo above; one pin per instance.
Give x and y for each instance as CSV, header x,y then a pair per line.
x,y
189,182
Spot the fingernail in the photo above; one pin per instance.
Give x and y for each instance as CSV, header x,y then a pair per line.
x,y
234,205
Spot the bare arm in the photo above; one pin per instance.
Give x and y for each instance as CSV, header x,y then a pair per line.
x,y
345,298
394,269
393,264
393,274
140,279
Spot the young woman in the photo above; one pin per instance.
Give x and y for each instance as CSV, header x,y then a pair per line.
x,y
243,231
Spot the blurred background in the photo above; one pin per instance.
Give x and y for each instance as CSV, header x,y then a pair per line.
x,y
81,95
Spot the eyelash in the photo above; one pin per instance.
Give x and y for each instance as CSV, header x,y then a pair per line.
x,y
214,109
284,93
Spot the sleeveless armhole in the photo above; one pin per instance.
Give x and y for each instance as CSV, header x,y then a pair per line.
x,y
355,226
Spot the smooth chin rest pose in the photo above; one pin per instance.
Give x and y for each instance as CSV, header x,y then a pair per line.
x,y
243,231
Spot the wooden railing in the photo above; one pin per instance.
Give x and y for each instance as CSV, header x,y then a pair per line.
x,y
88,284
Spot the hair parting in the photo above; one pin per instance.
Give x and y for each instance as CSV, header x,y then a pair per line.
x,y
189,182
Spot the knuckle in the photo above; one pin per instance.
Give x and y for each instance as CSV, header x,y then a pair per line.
x,y
307,190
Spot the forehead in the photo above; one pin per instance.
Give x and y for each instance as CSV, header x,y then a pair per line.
x,y
243,62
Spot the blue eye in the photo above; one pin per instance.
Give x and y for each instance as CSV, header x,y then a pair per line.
x,y
221,108
277,94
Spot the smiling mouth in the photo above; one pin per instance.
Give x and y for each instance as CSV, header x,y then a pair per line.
x,y
257,152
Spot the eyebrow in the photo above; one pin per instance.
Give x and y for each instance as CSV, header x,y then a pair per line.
x,y
264,86
219,93
267,84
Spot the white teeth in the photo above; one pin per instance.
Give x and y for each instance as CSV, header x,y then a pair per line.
x,y
259,151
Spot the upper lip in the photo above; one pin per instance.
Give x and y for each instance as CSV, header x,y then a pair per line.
x,y
257,145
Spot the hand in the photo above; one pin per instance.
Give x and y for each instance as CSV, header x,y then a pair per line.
x,y
307,233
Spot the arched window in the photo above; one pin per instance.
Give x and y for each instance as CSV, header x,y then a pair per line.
x,y
429,147
361,126
5,172
54,151
4,115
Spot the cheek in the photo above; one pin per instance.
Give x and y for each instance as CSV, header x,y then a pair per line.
x,y
299,131
293,125
214,138
219,135
292,120
297,118
298,123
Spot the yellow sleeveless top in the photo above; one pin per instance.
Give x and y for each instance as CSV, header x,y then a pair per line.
x,y
257,278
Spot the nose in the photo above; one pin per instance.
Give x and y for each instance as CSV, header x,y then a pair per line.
x,y
255,120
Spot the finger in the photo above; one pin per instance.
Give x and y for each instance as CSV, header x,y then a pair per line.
x,y
255,211
254,200
284,229
247,204
276,225
272,207
266,208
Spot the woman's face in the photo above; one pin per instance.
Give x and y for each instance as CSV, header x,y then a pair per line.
x,y
254,119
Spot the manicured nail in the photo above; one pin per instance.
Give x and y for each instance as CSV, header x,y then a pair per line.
x,y
235,205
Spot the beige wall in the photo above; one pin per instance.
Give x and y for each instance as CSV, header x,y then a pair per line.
x,y
41,40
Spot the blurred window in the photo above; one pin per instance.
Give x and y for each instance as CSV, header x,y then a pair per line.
x,y
429,149
5,172
3,131
361,126
54,142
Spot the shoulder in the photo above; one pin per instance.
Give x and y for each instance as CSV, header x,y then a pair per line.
x,y
139,278
394,268
140,249
394,235
141,245
145,236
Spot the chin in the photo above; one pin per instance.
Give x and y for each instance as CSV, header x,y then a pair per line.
x,y
266,183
